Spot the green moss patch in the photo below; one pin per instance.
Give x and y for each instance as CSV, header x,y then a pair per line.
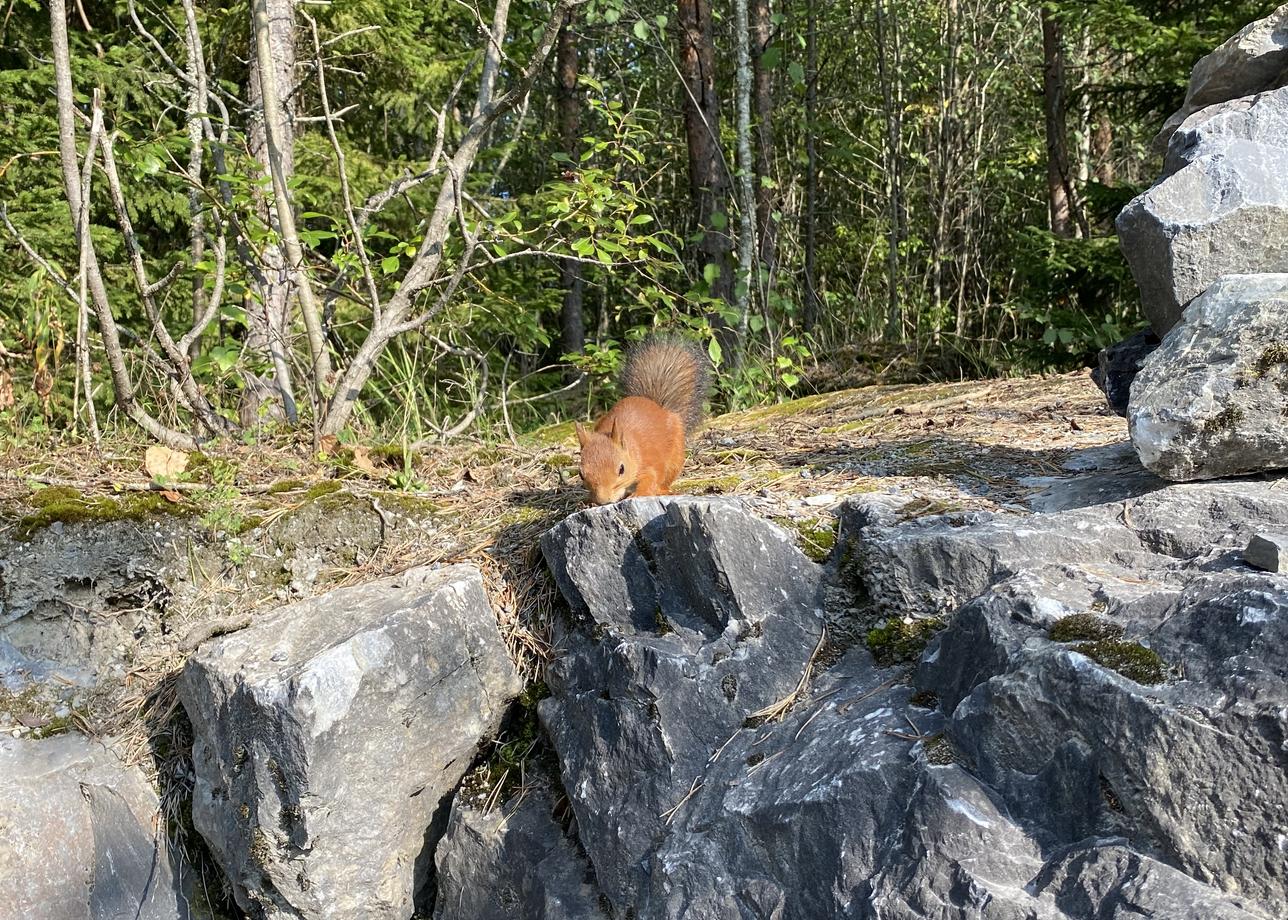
x,y
1130,659
815,536
1084,627
896,641
62,504
940,751
551,435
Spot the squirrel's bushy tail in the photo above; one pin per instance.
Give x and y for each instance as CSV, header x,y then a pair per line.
x,y
673,372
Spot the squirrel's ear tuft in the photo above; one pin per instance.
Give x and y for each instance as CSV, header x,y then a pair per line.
x,y
615,434
582,434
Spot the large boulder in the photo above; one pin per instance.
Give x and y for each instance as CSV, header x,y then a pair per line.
x,y
1146,717
1253,60
1078,742
1261,119
327,734
1226,212
1213,399
79,835
690,616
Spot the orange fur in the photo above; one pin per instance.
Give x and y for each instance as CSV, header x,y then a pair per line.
x,y
637,448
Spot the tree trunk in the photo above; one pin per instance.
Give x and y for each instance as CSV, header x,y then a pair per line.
x,y
708,178
746,168
766,225
813,305
1102,148
1060,201
269,319
887,68
572,323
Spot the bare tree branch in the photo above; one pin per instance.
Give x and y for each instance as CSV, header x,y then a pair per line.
x,y
345,196
121,384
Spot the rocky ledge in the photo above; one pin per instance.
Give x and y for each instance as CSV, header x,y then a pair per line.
x,y
1080,712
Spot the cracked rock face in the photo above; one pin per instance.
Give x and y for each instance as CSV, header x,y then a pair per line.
x,y
1212,400
1080,741
691,616
513,863
327,734
79,837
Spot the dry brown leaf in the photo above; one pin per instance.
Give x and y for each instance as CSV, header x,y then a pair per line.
x,y
171,495
6,390
328,444
362,460
163,463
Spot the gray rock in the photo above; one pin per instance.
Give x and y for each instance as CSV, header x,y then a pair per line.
x,y
928,566
73,598
1252,61
1224,213
1261,119
1026,782
79,839
692,615
1212,400
1166,767
1268,552
512,863
1116,367
1114,883
327,733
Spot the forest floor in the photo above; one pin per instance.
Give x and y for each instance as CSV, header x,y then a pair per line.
x,y
959,446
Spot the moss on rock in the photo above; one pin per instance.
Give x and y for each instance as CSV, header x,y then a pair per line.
x,y
66,505
1130,659
1084,627
897,641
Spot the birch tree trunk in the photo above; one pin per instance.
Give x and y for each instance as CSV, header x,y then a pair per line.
x,y
269,312
766,225
746,168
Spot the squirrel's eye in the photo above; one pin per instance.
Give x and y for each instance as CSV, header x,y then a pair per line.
x,y
621,470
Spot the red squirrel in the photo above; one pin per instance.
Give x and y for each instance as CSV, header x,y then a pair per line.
x,y
637,448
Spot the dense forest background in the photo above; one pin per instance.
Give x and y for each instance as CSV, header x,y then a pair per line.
x,y
417,220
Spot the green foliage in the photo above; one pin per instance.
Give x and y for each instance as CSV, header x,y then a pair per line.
x,y
961,256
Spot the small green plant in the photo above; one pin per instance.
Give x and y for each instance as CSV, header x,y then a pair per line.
x,y
899,640
220,500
